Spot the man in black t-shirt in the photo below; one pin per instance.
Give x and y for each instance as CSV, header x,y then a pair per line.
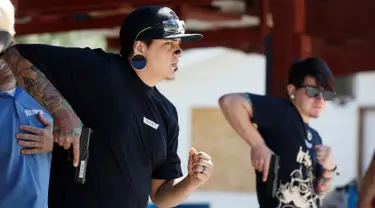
x,y
133,149
279,126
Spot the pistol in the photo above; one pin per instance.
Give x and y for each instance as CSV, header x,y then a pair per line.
x,y
273,176
84,142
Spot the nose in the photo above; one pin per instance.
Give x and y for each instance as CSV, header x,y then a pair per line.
x,y
319,96
178,52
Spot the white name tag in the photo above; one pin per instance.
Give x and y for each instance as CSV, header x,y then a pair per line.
x,y
150,123
33,112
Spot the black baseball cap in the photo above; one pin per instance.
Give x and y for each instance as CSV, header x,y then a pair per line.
x,y
153,22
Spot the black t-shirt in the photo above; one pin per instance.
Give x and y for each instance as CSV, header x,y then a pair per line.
x,y
135,128
285,133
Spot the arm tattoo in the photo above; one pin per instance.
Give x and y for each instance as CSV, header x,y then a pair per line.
x,y
246,96
42,90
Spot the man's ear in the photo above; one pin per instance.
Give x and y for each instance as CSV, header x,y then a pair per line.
x,y
291,89
138,47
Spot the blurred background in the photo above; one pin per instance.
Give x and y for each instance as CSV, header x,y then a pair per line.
x,y
248,46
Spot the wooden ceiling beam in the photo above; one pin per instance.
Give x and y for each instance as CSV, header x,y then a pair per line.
x,y
27,7
69,24
172,2
347,58
190,12
85,18
206,14
340,19
52,24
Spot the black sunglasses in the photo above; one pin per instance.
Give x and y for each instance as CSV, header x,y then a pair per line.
x,y
314,92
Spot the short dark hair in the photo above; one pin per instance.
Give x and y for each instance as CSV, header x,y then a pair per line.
x,y
314,67
127,51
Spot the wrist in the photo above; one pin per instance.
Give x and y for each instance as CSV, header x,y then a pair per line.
x,y
325,177
330,168
257,143
190,182
330,171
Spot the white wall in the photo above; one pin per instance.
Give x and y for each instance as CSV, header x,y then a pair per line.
x,y
206,74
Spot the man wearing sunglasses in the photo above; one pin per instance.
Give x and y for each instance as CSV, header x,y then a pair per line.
x,y
297,168
133,149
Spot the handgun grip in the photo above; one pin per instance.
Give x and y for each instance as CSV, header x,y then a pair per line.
x,y
273,176
84,144
80,170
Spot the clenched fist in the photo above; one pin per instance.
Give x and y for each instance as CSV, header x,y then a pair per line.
x,y
199,167
325,157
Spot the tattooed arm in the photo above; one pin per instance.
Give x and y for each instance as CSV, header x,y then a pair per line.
x,y
67,125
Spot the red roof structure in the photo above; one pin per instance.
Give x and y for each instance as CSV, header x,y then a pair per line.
x,y
339,31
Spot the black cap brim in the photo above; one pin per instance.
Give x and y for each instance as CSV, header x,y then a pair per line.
x,y
186,37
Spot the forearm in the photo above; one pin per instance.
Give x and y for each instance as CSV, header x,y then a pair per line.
x,y
325,183
173,193
367,187
34,82
238,116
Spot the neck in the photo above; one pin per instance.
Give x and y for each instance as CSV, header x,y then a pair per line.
x,y
7,86
306,119
148,78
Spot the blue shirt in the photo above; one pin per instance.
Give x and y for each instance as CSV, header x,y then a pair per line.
x,y
24,179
